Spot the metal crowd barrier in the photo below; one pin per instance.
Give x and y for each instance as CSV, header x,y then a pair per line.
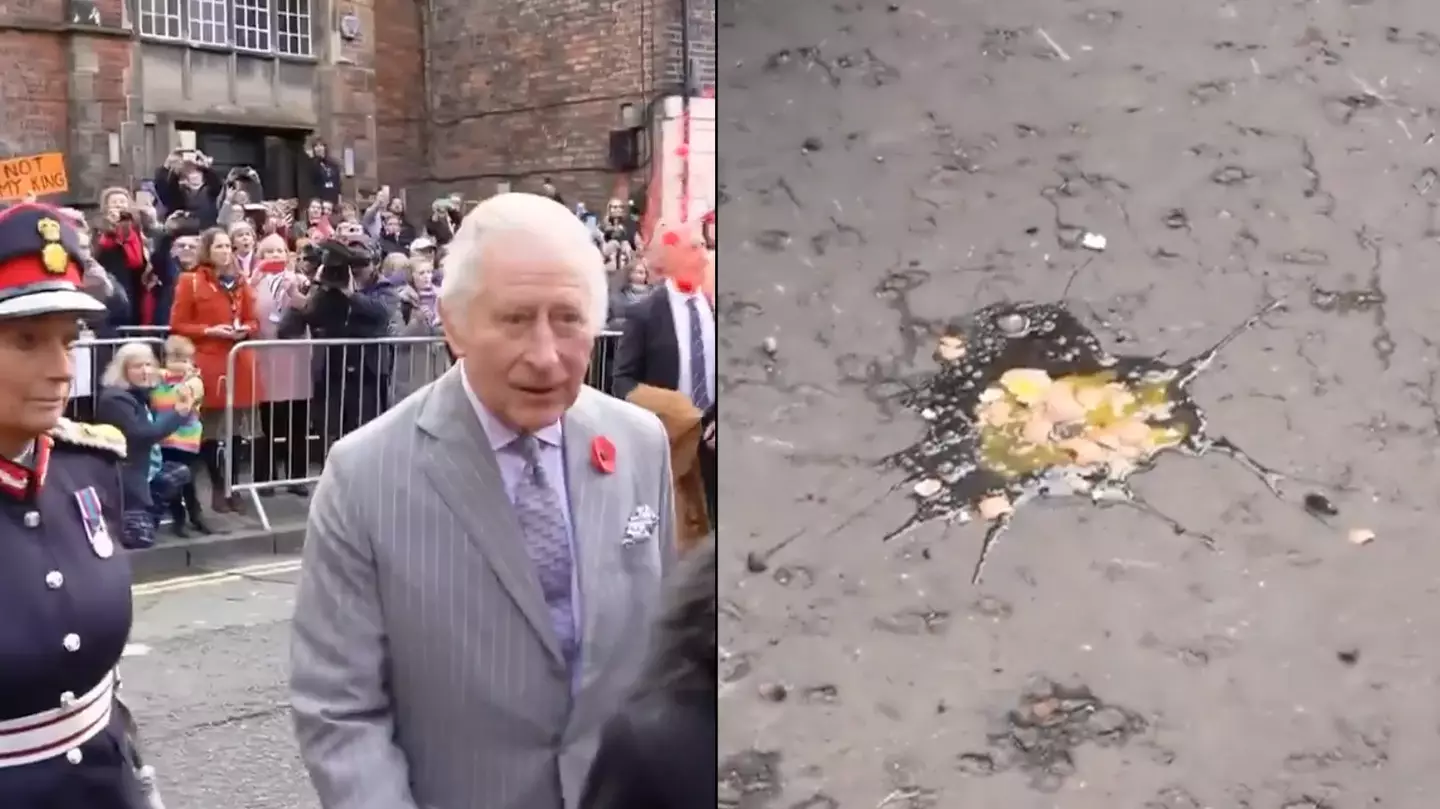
x,y
88,359
296,398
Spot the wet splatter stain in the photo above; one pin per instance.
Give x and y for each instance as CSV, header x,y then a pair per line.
x,y
1346,301
750,779
1040,736
1028,404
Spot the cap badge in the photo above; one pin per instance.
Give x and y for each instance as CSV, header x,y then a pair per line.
x,y
54,257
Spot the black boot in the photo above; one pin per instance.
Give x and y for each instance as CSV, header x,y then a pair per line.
x,y
177,517
190,497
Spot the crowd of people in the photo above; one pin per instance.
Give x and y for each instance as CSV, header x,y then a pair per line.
x,y
192,263
560,590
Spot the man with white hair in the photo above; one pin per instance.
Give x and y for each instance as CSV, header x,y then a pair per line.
x,y
482,562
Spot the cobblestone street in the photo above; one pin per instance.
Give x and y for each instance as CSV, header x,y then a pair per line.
x,y
1162,171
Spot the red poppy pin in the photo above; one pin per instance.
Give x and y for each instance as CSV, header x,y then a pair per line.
x,y
686,287
670,239
602,454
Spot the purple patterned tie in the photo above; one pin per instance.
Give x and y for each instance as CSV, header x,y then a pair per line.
x,y
547,539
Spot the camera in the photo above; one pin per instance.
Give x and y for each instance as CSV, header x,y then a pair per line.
x,y
338,263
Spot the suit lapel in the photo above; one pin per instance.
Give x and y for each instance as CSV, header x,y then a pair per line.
x,y
666,341
461,466
594,516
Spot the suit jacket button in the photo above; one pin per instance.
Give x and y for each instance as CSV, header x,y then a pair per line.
x,y
54,580
72,642
74,756
32,519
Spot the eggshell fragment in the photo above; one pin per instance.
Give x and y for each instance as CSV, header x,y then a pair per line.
x,y
1028,385
994,507
950,348
927,488
1361,536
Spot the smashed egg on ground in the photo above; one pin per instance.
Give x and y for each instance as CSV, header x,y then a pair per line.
x,y
1027,404
1029,423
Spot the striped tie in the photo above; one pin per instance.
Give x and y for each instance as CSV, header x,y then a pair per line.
x,y
699,373
547,540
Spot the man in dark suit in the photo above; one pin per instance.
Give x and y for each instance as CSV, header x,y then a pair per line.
x,y
668,342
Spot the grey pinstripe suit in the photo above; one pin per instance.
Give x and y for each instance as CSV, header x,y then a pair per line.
x,y
425,670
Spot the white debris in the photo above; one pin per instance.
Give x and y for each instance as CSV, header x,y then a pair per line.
x,y
771,346
927,488
1361,536
929,415
1093,241
1054,46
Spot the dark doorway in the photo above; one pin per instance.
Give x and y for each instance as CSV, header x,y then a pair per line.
x,y
278,156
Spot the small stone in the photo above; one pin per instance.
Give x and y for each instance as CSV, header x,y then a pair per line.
x,y
824,692
812,144
755,563
929,414
770,345
1044,708
928,488
1361,536
1348,656
1093,241
1319,505
879,158
774,692
979,764
893,7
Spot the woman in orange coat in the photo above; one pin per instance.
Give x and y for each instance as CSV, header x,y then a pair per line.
x,y
215,308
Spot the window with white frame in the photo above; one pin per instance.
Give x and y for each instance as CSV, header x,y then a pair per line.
x,y
252,25
281,27
162,19
209,22
293,31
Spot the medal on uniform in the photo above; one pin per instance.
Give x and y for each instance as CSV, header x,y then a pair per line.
x,y
93,516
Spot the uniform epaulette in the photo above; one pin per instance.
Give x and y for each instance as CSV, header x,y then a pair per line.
x,y
103,437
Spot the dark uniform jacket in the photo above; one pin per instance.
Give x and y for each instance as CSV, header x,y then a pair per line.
x,y
65,598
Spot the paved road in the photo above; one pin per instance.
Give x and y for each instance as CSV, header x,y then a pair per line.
x,y
209,693
889,168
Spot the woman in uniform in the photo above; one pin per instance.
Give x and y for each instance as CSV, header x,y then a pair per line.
x,y
64,583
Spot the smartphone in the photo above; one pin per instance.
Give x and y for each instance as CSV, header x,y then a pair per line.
x,y
188,155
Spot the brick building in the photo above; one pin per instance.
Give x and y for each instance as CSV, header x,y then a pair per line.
x,y
427,95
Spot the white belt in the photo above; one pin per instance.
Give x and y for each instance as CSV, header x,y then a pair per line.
x,y
53,733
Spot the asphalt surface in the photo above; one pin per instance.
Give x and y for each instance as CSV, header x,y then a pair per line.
x,y
208,690
887,169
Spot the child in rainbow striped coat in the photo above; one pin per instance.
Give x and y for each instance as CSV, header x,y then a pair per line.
x,y
183,445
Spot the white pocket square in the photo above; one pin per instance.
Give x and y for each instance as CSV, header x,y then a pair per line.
x,y
641,525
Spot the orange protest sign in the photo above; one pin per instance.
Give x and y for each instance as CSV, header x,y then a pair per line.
x,y
40,174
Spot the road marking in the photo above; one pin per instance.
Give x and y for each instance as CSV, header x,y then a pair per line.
x,y
234,574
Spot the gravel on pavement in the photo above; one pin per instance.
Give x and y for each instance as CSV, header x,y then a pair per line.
x,y
206,679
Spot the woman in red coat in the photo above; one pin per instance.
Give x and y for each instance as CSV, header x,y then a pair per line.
x,y
215,308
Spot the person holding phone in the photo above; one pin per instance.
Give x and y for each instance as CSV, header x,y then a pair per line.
x,y
120,247
216,309
187,181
